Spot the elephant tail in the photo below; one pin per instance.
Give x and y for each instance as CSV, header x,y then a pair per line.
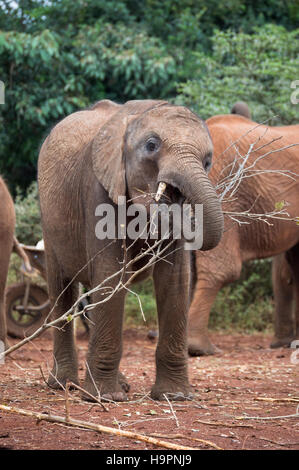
x,y
19,250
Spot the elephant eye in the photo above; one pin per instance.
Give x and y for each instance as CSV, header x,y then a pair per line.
x,y
207,162
151,145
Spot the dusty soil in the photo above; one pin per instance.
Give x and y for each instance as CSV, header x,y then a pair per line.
x,y
225,386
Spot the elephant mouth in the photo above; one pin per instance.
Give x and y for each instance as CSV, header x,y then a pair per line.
x,y
169,193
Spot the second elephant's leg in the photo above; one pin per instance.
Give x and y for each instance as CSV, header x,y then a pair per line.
x,y
199,343
293,261
172,282
283,289
3,339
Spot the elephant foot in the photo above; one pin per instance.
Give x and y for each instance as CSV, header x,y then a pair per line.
x,y
202,346
173,392
281,342
106,390
58,380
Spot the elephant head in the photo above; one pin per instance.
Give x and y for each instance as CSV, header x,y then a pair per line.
x,y
147,143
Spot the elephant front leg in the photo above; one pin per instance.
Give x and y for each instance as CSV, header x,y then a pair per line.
x,y
172,283
103,379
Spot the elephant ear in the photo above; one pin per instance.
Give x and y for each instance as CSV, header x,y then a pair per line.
x,y
107,148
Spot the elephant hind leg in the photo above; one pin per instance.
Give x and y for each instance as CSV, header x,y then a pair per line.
x,y
4,263
65,363
284,297
293,260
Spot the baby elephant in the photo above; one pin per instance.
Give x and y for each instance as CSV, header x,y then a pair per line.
x,y
148,153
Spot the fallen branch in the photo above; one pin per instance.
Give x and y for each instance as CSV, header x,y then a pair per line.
x,y
94,427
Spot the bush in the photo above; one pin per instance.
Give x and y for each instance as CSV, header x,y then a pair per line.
x,y
257,68
247,304
28,222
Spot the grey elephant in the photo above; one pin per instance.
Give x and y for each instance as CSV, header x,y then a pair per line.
x,y
7,227
93,157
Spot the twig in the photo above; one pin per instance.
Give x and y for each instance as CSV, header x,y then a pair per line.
x,y
172,410
94,427
273,400
283,444
181,436
67,405
69,315
89,394
296,415
219,423
42,374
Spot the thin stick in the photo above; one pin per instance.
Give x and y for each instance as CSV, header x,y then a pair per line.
x,y
219,423
172,410
273,400
94,427
296,415
180,436
119,286
88,394
67,405
283,444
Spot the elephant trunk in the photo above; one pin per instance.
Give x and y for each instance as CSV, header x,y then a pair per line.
x,y
194,185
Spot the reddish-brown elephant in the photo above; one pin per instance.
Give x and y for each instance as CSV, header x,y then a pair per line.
x,y
7,226
284,289
260,193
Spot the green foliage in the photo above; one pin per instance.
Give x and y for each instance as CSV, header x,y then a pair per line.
x,y
28,225
247,304
49,74
257,68
59,56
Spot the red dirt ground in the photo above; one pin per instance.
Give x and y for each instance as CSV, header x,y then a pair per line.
x,y
225,387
